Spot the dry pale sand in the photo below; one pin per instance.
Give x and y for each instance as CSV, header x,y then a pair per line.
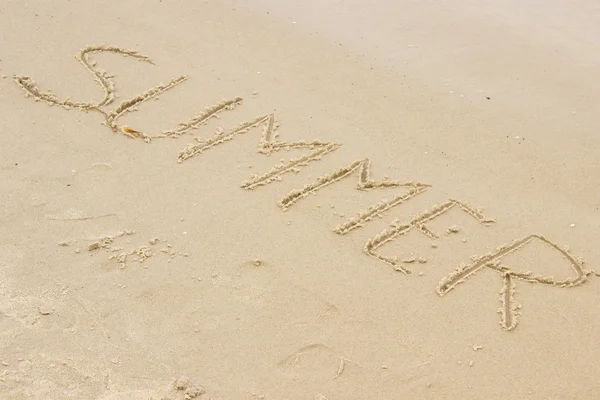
x,y
403,202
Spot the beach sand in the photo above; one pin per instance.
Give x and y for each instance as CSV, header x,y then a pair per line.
x,y
299,200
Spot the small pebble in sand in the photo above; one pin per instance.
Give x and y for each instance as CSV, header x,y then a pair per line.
x,y
421,273
477,347
153,241
453,229
254,92
409,260
77,251
471,363
572,225
434,245
181,383
193,392
257,262
464,240
422,260
45,310
63,244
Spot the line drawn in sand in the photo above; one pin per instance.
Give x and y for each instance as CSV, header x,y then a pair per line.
x,y
510,307
419,222
267,145
74,214
104,80
101,77
184,127
296,357
365,182
342,366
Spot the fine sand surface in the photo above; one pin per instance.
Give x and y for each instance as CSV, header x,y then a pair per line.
x,y
364,200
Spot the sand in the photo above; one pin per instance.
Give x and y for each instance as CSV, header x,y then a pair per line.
x,y
299,200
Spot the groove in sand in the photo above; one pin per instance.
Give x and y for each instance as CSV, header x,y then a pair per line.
x,y
268,144
509,310
397,229
363,167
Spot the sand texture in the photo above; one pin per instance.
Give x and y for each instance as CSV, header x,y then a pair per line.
x,y
299,200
